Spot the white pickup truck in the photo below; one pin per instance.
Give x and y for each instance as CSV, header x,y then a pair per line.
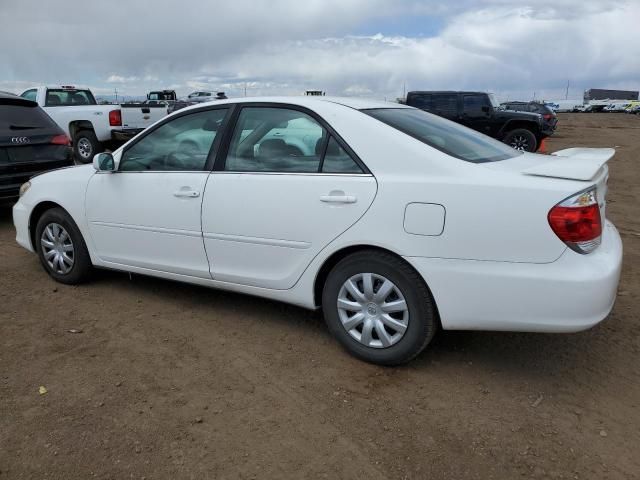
x,y
89,125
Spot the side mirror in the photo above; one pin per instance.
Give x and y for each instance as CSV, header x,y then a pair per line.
x,y
486,109
103,162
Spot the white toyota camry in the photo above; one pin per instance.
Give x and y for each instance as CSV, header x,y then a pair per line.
x,y
394,221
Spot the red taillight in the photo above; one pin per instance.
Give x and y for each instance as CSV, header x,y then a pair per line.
x,y
115,118
547,116
60,140
577,222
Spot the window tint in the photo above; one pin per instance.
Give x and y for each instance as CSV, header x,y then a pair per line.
x,y
421,100
473,103
30,94
336,160
275,140
60,97
444,135
445,104
19,120
181,144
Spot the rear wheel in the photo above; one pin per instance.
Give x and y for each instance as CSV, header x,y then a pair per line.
x,y
521,139
86,145
379,308
61,248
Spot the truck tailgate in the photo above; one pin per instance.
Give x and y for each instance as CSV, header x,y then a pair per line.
x,y
140,116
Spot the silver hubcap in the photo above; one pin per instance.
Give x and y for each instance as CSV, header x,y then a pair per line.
x,y
520,142
57,248
373,310
84,148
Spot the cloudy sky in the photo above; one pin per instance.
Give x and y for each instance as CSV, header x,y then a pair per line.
x,y
345,47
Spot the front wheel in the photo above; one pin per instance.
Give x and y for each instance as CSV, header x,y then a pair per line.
x,y
379,308
521,139
61,248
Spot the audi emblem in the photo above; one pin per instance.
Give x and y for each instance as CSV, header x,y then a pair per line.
x,y
19,140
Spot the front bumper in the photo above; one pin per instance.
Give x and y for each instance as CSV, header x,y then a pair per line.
x,y
571,294
21,223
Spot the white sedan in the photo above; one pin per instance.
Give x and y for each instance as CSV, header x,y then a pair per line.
x,y
394,221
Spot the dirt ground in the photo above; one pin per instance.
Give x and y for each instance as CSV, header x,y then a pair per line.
x,y
170,381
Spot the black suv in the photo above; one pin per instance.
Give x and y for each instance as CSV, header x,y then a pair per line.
x,y
30,143
548,115
480,111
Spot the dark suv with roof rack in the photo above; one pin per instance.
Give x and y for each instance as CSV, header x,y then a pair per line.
x,y
30,143
480,111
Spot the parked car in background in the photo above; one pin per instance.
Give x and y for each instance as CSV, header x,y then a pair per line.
x,y
481,111
89,125
395,221
616,107
200,97
180,104
548,115
30,143
138,116
563,105
631,106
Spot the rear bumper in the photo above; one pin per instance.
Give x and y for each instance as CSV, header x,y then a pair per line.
x,y
125,135
571,294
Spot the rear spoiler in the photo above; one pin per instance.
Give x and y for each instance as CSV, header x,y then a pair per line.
x,y
573,163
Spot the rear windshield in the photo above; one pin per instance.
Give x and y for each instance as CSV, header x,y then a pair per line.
x,y
444,135
66,97
20,120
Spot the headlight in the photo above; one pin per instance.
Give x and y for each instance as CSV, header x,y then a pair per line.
x,y
24,187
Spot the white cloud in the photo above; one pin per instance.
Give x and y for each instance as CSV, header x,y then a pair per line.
x,y
287,46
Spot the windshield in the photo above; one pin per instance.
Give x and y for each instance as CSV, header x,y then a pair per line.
x,y
494,102
448,137
65,97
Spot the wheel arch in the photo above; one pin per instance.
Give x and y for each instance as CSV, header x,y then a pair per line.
x,y
333,259
36,213
516,124
78,125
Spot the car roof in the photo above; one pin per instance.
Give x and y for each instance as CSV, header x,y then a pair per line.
x,y
7,98
356,103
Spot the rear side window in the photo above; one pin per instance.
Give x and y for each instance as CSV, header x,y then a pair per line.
x,y
337,160
448,137
421,100
275,140
445,104
19,120
65,98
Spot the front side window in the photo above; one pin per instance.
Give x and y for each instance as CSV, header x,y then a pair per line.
x,y
65,97
275,140
30,94
448,137
182,144
473,104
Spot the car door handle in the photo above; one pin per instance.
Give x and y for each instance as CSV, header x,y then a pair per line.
x,y
338,199
186,193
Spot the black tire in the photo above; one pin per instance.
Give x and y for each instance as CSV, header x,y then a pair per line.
x,y
85,146
423,318
521,139
81,269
